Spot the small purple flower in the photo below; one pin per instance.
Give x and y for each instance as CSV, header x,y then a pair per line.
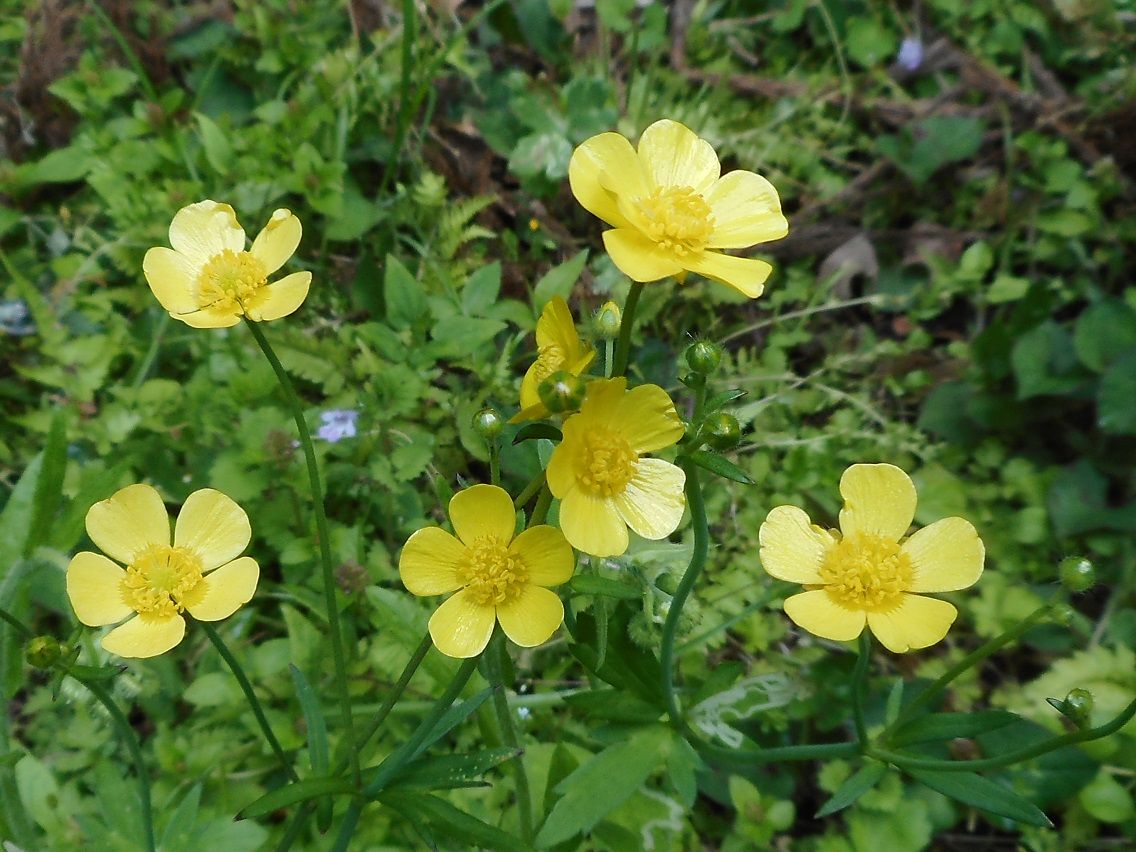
x,y
910,54
337,424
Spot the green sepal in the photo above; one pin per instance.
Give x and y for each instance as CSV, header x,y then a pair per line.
x,y
720,466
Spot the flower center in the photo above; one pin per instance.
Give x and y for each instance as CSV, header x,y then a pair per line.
x,y
229,280
607,463
550,359
678,219
493,575
865,571
162,581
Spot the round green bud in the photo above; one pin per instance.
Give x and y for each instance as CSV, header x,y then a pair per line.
x,y
561,392
608,320
1063,614
704,356
42,652
694,381
488,423
667,583
1078,706
1077,574
722,431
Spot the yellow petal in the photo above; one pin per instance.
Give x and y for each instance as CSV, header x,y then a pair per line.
x,y
602,168
212,526
637,257
531,412
530,396
792,548
278,299
171,277
532,617
546,554
431,562
278,241
916,623
646,418
673,155
145,637
878,499
94,587
483,510
746,211
204,229
561,473
227,589
745,274
209,318
461,627
653,501
819,614
555,326
128,521
592,524
946,556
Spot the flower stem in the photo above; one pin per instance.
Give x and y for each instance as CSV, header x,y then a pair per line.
x,y
497,651
859,675
977,655
540,510
746,758
494,462
323,536
904,761
686,584
250,695
531,489
623,347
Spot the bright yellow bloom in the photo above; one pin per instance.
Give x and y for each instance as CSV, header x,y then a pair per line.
x,y
209,280
558,348
496,574
868,572
669,206
604,482
199,573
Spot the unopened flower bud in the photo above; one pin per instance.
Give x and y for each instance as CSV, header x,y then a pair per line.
x,y
1077,574
608,320
722,431
703,356
1063,614
488,423
1077,706
561,392
694,381
42,652
667,583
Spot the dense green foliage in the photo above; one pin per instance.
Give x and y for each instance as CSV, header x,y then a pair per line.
x,y
955,297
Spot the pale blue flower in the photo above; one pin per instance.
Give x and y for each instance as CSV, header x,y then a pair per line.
x,y
337,424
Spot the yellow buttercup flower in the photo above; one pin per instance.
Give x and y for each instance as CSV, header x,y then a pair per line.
x,y
868,572
669,207
209,280
199,573
495,574
558,348
604,482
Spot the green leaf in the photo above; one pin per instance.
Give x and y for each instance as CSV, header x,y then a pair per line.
x,y
49,485
1044,361
559,280
713,403
218,149
1104,332
613,705
927,145
405,301
868,42
451,822
1107,800
453,770
454,717
619,771
720,466
481,289
531,431
461,335
313,720
982,793
937,727
606,587
290,794
1116,397
683,764
852,789
178,835
541,155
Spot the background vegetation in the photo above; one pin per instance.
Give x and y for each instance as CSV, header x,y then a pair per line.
x,y
956,296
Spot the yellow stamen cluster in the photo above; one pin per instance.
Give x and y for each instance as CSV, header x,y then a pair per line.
x,y
229,280
607,463
678,219
866,571
162,581
493,575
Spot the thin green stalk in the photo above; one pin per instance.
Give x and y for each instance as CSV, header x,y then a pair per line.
x,y
530,490
859,675
15,818
623,347
494,462
745,758
127,51
152,352
977,655
904,761
347,826
324,540
250,695
686,584
509,734
409,21
540,510
609,357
